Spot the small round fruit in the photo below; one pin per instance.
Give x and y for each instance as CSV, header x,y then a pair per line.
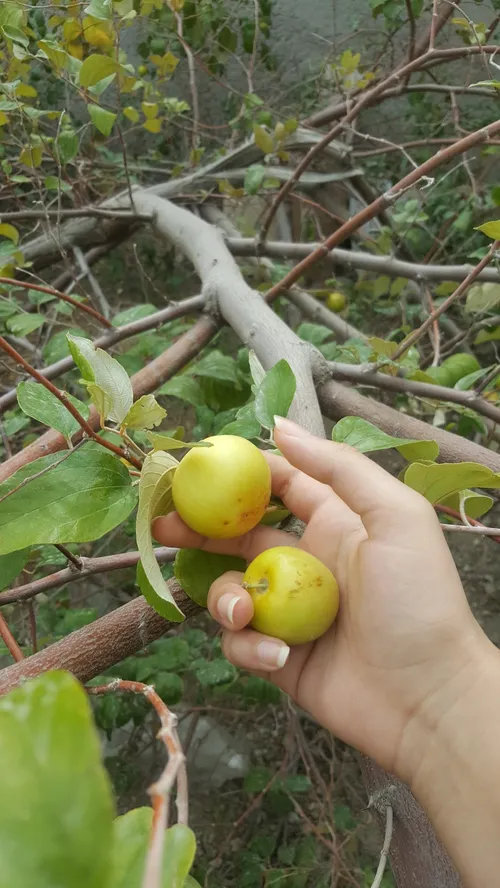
x,y
222,491
142,70
295,596
336,301
454,368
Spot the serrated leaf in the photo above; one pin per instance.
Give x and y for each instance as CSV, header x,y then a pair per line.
x,y
185,388
275,394
167,442
81,499
10,232
103,120
36,401
211,673
56,806
155,498
97,366
11,566
262,139
367,438
146,413
490,229
24,324
196,570
436,481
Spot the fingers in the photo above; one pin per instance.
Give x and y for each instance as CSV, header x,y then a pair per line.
x,y
302,494
228,602
370,491
170,530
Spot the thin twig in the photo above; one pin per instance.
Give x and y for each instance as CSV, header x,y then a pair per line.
x,y
434,21
389,820
63,398
175,770
478,526
94,283
411,19
9,640
485,381
97,212
32,626
75,560
461,289
192,78
89,567
28,285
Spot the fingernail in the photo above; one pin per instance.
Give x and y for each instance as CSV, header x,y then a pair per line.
x,y
273,653
289,427
226,606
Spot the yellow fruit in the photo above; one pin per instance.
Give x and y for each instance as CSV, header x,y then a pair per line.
x,y
223,490
295,597
336,301
142,70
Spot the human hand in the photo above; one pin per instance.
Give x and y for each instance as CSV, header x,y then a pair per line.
x,y
404,636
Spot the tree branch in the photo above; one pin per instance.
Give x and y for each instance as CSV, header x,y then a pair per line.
x,y
92,650
28,285
175,310
9,641
89,568
241,246
383,201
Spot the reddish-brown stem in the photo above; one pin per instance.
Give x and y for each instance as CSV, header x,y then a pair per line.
x,y
9,640
373,209
32,626
28,285
366,99
11,351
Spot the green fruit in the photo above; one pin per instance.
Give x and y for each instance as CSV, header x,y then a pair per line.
x,y
142,70
222,491
295,596
336,301
453,368
157,46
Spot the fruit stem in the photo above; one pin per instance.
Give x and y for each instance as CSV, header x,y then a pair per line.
x,y
262,586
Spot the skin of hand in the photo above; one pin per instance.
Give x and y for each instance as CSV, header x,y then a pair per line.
x,y
405,652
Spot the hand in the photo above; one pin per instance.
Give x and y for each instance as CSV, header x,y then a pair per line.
x,y
405,635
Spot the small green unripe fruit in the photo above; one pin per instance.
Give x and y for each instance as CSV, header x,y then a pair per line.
x,y
222,491
142,69
295,596
336,301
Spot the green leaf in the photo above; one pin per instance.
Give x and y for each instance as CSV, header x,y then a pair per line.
x,y
97,366
100,399
185,388
275,394
9,232
490,229
476,504
436,481
103,120
36,401
56,805
257,371
173,654
11,566
196,570
144,414
81,499
169,687
314,333
96,68
178,855
262,139
257,779
135,313
155,498
166,442
254,177
211,673
67,145
366,438
487,336
24,324
482,297
469,381
246,425
216,365
100,9
52,183
131,834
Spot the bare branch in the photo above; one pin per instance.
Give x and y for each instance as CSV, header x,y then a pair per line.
x,y
94,283
384,854
384,200
28,285
9,640
89,568
77,213
241,246
175,310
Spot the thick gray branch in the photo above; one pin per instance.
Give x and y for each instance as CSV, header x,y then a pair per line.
x,y
241,307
